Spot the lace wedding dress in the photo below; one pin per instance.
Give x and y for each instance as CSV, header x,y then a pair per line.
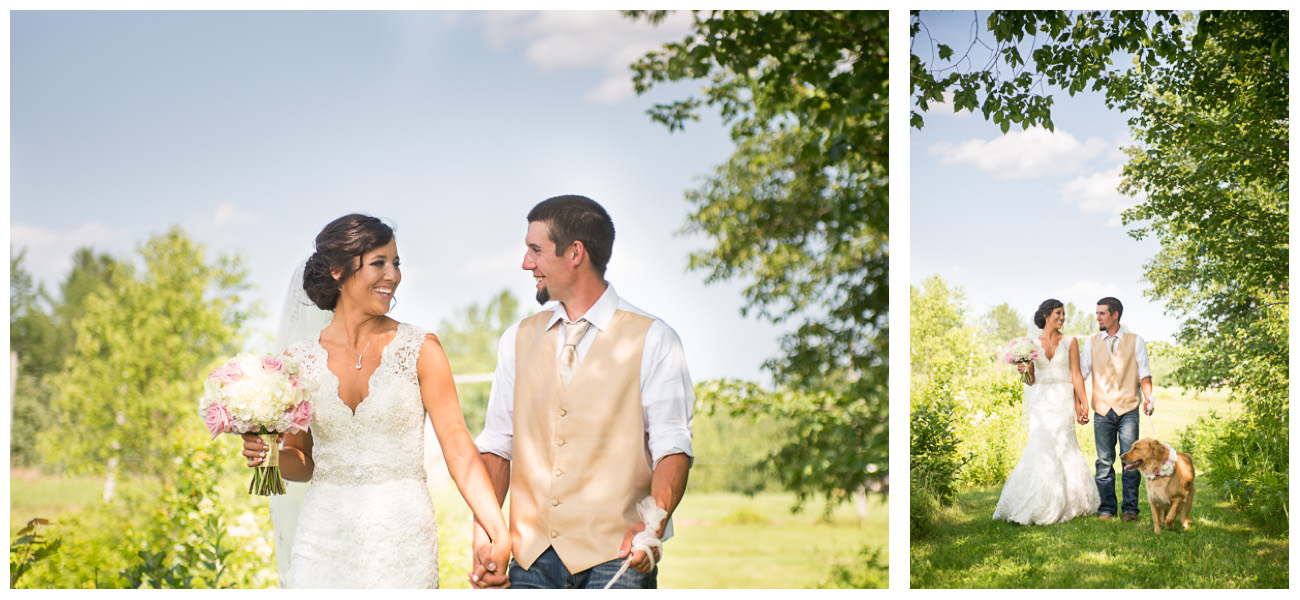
x,y
367,520
1051,483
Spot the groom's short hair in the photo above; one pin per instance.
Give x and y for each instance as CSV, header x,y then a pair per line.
x,y
578,218
1113,305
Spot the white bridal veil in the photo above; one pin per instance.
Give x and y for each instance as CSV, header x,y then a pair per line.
x,y
299,319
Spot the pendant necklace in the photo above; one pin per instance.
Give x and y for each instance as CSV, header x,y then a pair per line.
x,y
359,354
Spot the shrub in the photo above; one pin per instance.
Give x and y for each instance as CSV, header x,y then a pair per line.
x,y
172,535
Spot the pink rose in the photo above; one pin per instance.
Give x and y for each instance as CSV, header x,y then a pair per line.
x,y
272,363
217,420
295,382
229,373
301,417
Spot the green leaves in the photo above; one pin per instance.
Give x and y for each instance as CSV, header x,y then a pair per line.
x,y
1069,50
29,549
800,211
143,346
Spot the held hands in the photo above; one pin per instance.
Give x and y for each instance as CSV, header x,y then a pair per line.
x,y
640,561
491,558
255,449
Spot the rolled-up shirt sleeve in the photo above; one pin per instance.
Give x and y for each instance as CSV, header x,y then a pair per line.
x,y
667,395
1143,360
497,436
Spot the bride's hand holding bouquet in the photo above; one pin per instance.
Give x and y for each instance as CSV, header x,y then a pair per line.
x,y
1022,352
261,395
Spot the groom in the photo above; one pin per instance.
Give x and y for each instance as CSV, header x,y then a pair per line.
x,y
589,413
1117,360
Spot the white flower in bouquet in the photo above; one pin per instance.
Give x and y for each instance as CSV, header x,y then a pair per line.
x,y
257,394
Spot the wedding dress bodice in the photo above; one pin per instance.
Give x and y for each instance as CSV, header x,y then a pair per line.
x,y
1056,370
367,520
384,439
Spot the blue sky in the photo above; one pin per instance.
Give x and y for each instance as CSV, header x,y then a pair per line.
x,y
1028,215
252,130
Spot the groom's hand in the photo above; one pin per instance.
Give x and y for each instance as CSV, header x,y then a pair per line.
x,y
1148,408
488,571
640,561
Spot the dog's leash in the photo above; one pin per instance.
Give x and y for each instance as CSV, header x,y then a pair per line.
x,y
1151,420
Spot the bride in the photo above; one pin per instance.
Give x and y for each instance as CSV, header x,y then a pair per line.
x,y
1051,483
367,519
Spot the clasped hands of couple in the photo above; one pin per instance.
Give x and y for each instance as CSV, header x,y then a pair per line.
x,y
1081,404
489,572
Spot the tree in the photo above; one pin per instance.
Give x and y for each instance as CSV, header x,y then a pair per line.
x,y
1002,324
940,335
1212,160
143,348
470,339
801,210
1080,322
42,334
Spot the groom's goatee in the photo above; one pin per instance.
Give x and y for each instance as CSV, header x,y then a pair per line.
x,y
543,296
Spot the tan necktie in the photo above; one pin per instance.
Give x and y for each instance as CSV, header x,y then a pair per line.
x,y
568,359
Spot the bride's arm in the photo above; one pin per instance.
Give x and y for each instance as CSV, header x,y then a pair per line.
x,y
1076,378
463,461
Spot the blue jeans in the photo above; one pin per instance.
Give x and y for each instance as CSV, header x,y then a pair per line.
x,y
549,572
1105,429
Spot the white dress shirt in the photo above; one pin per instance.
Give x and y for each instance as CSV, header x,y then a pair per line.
x,y
1139,353
667,396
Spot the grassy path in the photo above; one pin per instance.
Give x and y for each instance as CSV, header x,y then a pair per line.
x,y
968,549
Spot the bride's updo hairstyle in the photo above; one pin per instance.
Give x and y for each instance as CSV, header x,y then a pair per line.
x,y
339,246
1044,309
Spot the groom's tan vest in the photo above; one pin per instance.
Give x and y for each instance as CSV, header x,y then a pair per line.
x,y
580,462
1114,375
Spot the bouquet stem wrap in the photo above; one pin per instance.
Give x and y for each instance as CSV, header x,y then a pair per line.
x,y
646,540
266,476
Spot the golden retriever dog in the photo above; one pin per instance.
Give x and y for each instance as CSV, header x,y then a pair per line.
x,y
1170,481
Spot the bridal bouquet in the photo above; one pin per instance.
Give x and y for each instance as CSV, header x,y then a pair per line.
x,y
262,395
1020,350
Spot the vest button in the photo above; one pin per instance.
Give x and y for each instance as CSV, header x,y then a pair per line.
x,y
555,502
555,533
559,443
563,412
557,472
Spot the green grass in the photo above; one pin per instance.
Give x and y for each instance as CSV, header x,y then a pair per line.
x,y
732,541
1221,550
722,540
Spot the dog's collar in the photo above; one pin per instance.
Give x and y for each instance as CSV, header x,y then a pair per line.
x,y
1166,469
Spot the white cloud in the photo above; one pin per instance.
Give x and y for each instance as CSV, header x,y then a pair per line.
x,y
1030,153
1099,193
604,40
228,214
49,252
